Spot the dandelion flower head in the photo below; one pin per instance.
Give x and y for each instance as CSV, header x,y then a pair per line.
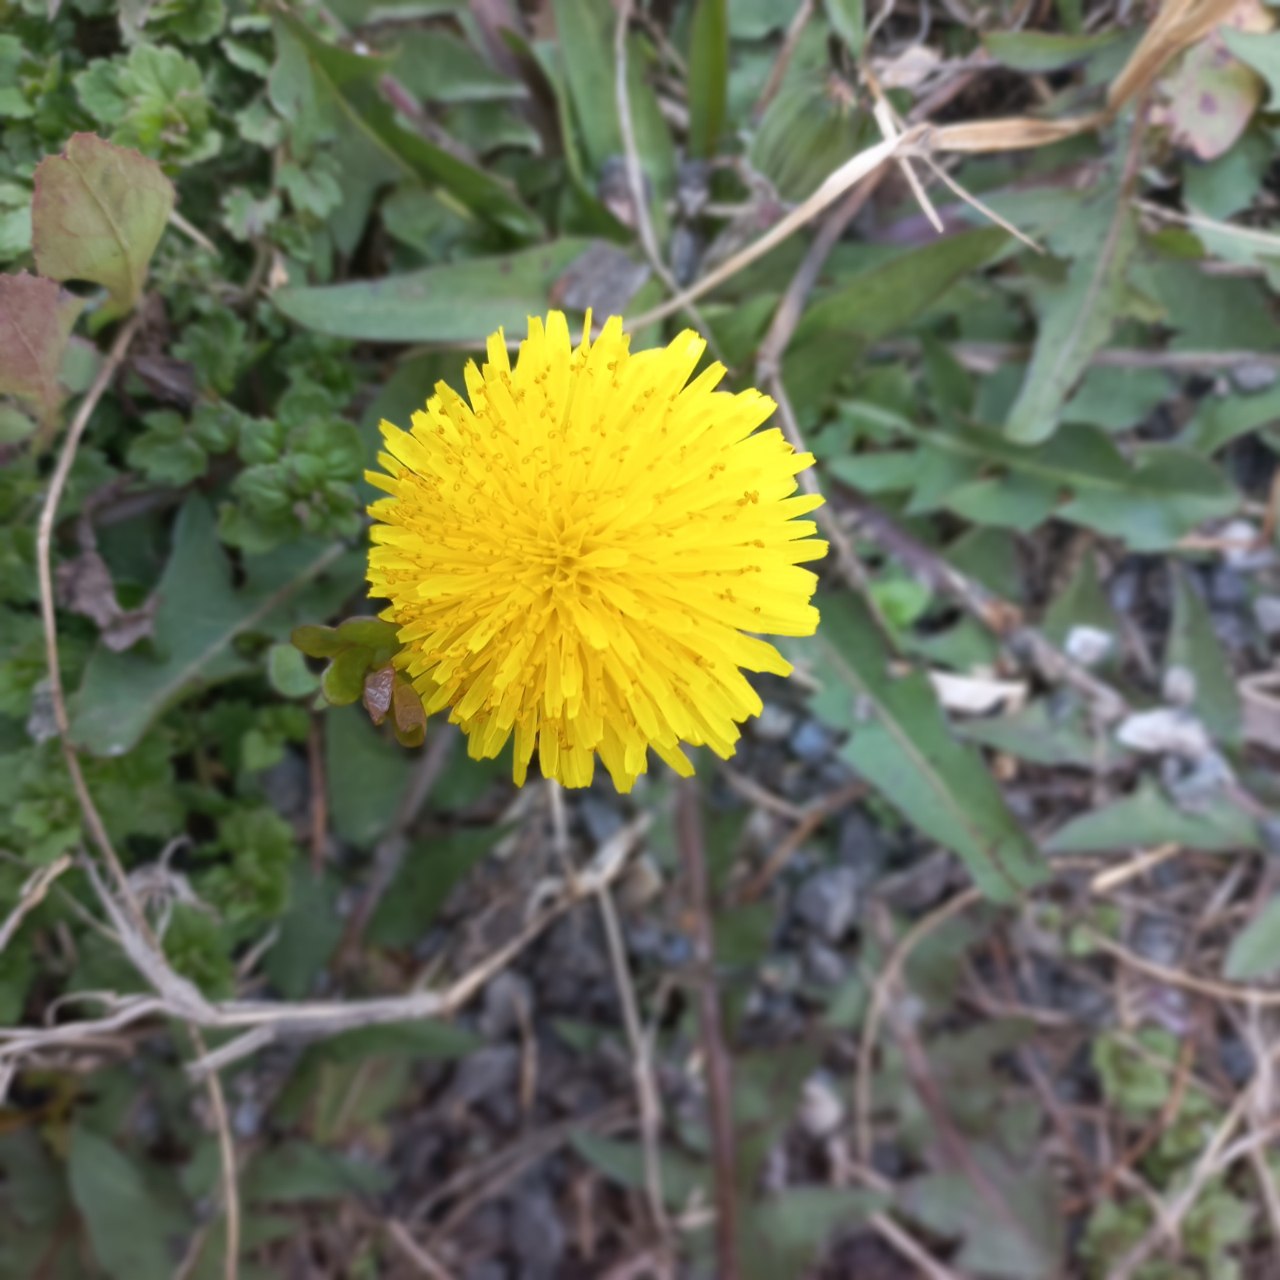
x,y
585,552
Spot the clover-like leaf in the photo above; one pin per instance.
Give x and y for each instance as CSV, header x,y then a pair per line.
x,y
98,213
35,325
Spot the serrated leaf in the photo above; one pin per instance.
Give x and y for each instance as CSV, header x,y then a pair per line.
x,y
453,302
877,302
1194,645
1043,737
1149,499
1255,951
36,318
366,775
786,1233
623,1163
126,1226
901,744
1010,1222
200,616
1076,323
426,878
97,214
1147,818
349,84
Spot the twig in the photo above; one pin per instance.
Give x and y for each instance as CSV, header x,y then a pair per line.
x,y
635,174
1175,977
1212,1161
1113,877
648,1100
837,183
390,850
192,232
136,927
880,992
997,615
716,1067
265,1021
986,357
647,1096
780,64
403,1240
48,617
319,800
817,813
31,895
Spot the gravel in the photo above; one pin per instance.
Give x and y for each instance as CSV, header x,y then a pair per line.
x,y
827,902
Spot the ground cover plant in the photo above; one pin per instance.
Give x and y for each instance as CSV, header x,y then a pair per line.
x,y
961,962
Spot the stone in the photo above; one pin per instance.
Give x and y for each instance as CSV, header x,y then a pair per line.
x,y
811,742
827,902
775,723
537,1234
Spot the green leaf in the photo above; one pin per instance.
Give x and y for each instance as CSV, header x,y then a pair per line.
x,y
1014,1230
309,930
623,1163
125,1224
36,318
1219,420
708,76
901,744
1194,645
1148,818
1077,321
1255,950
366,775
454,302
349,84
1149,499
786,1233
439,67
288,672
200,616
14,104
166,451
427,877
1082,602
98,213
848,20
878,302
1036,52
1259,50
296,1171
343,679
1045,737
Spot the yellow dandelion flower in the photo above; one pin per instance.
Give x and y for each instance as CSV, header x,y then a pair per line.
x,y
580,554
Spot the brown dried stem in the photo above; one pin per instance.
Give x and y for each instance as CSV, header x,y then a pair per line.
x,y
138,927
715,1056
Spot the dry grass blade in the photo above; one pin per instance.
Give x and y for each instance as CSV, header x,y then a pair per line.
x,y
1179,23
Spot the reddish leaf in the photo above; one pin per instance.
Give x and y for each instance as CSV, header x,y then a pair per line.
x,y
97,214
35,325
377,693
